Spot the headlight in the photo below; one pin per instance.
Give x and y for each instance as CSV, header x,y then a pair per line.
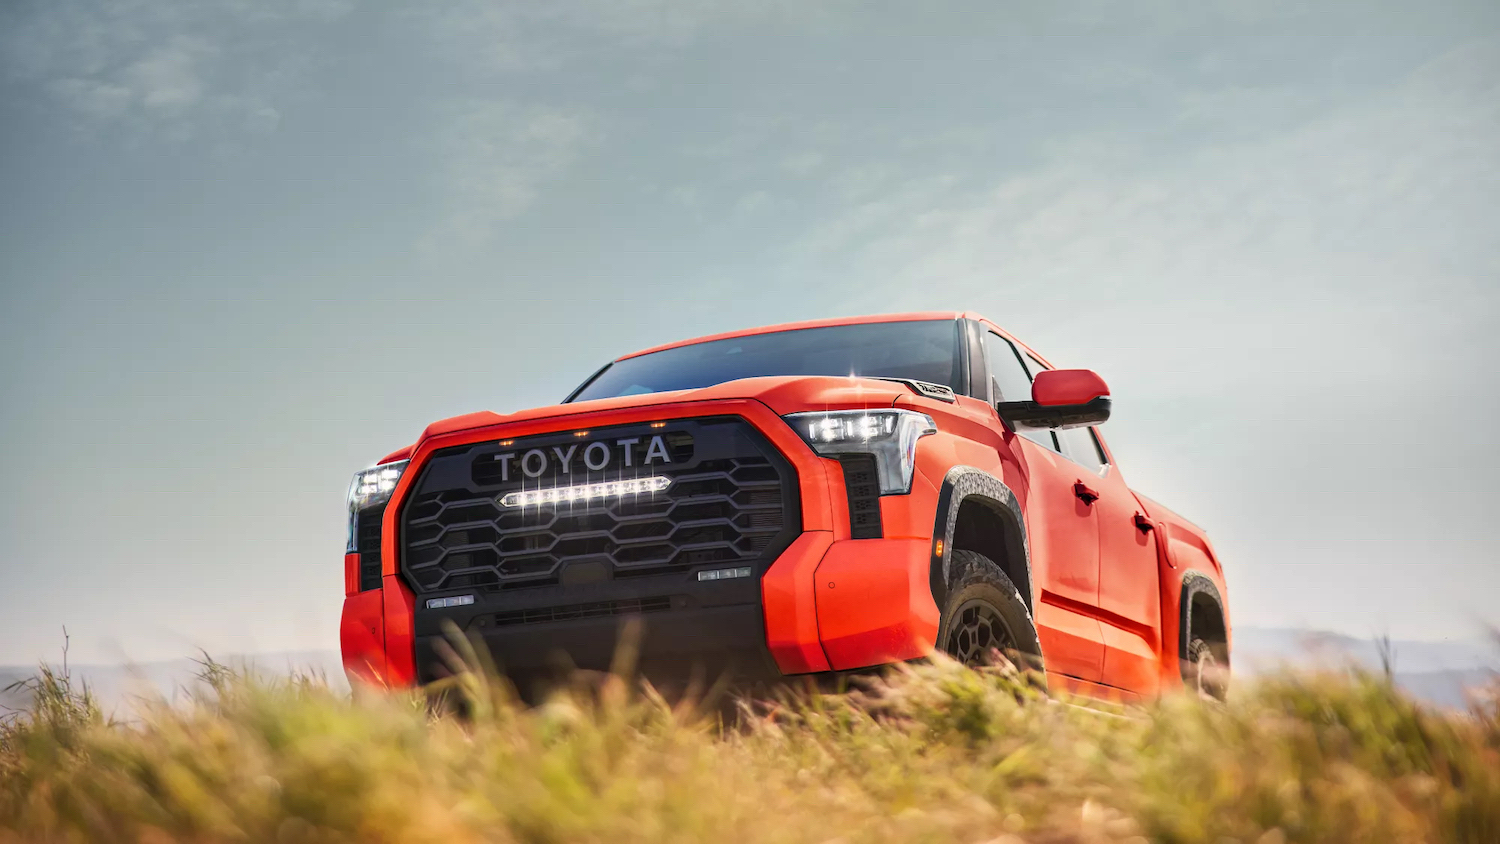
x,y
890,435
371,488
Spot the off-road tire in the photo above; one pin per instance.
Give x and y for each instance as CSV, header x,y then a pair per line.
x,y
1205,671
985,614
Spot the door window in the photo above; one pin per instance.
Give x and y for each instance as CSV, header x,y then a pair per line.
x,y
1009,381
1082,447
1008,378
1077,444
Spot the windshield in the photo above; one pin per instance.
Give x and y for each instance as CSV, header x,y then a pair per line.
x,y
925,350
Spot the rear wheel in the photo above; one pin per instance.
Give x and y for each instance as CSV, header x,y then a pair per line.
x,y
1205,673
986,617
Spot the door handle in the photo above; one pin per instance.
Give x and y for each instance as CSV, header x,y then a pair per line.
x,y
1142,523
1086,495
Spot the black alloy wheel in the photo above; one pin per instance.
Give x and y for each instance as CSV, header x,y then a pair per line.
x,y
978,632
985,616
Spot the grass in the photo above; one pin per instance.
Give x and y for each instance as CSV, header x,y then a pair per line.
x,y
929,753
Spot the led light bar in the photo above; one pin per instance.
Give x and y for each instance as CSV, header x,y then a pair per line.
x,y
585,492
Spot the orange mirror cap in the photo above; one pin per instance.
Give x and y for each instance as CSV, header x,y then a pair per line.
x,y
1059,387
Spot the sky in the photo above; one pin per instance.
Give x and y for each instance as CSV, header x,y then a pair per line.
x,y
247,248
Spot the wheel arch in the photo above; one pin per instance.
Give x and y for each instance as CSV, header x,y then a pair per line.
x,y
976,511
1201,611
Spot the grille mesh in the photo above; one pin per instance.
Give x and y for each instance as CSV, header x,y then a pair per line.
x,y
728,504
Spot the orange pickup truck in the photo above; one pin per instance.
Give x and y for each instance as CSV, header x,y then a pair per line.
x,y
799,499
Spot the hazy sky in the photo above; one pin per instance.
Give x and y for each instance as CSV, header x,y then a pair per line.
x,y
246,248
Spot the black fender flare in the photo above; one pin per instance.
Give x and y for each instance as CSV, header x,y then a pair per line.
x,y
959,485
1194,583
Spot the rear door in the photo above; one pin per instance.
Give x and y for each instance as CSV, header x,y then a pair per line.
x,y
1062,531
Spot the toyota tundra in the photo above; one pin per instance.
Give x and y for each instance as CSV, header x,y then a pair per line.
x,y
803,499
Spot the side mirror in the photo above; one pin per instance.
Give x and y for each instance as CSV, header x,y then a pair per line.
x,y
1060,398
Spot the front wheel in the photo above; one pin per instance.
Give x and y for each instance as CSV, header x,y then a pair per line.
x,y
985,616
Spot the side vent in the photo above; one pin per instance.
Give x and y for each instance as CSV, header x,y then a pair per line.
x,y
863,488
368,539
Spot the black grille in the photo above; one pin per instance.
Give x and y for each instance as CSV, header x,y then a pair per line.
x,y
368,543
732,502
595,609
863,488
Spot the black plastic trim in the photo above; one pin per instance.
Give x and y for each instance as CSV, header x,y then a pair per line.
x,y
862,486
960,484
587,381
1194,583
367,532
578,614
1029,414
711,640
977,368
451,469
961,350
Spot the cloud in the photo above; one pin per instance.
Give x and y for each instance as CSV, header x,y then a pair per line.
x,y
527,35
496,159
160,68
170,78
93,98
1354,203
1281,315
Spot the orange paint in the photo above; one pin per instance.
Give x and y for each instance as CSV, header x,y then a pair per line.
x,y
1106,574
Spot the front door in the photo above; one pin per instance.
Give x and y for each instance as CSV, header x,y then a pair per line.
x,y
1061,529
1129,593
1064,535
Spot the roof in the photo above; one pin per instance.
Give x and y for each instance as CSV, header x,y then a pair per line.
x,y
796,326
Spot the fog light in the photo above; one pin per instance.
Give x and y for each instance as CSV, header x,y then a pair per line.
x,y
455,601
724,574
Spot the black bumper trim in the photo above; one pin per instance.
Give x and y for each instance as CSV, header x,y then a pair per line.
x,y
706,642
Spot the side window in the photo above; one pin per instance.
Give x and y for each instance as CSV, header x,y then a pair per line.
x,y
1010,382
1077,444
1082,447
1008,378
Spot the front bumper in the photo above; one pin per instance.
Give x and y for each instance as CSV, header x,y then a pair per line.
x,y
826,603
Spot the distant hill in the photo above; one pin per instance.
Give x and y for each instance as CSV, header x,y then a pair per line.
x,y
11,699
118,684
1264,646
1437,672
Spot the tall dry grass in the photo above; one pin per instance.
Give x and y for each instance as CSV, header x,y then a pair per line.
x,y
929,753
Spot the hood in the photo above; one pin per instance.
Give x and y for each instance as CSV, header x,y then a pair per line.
x,y
783,394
